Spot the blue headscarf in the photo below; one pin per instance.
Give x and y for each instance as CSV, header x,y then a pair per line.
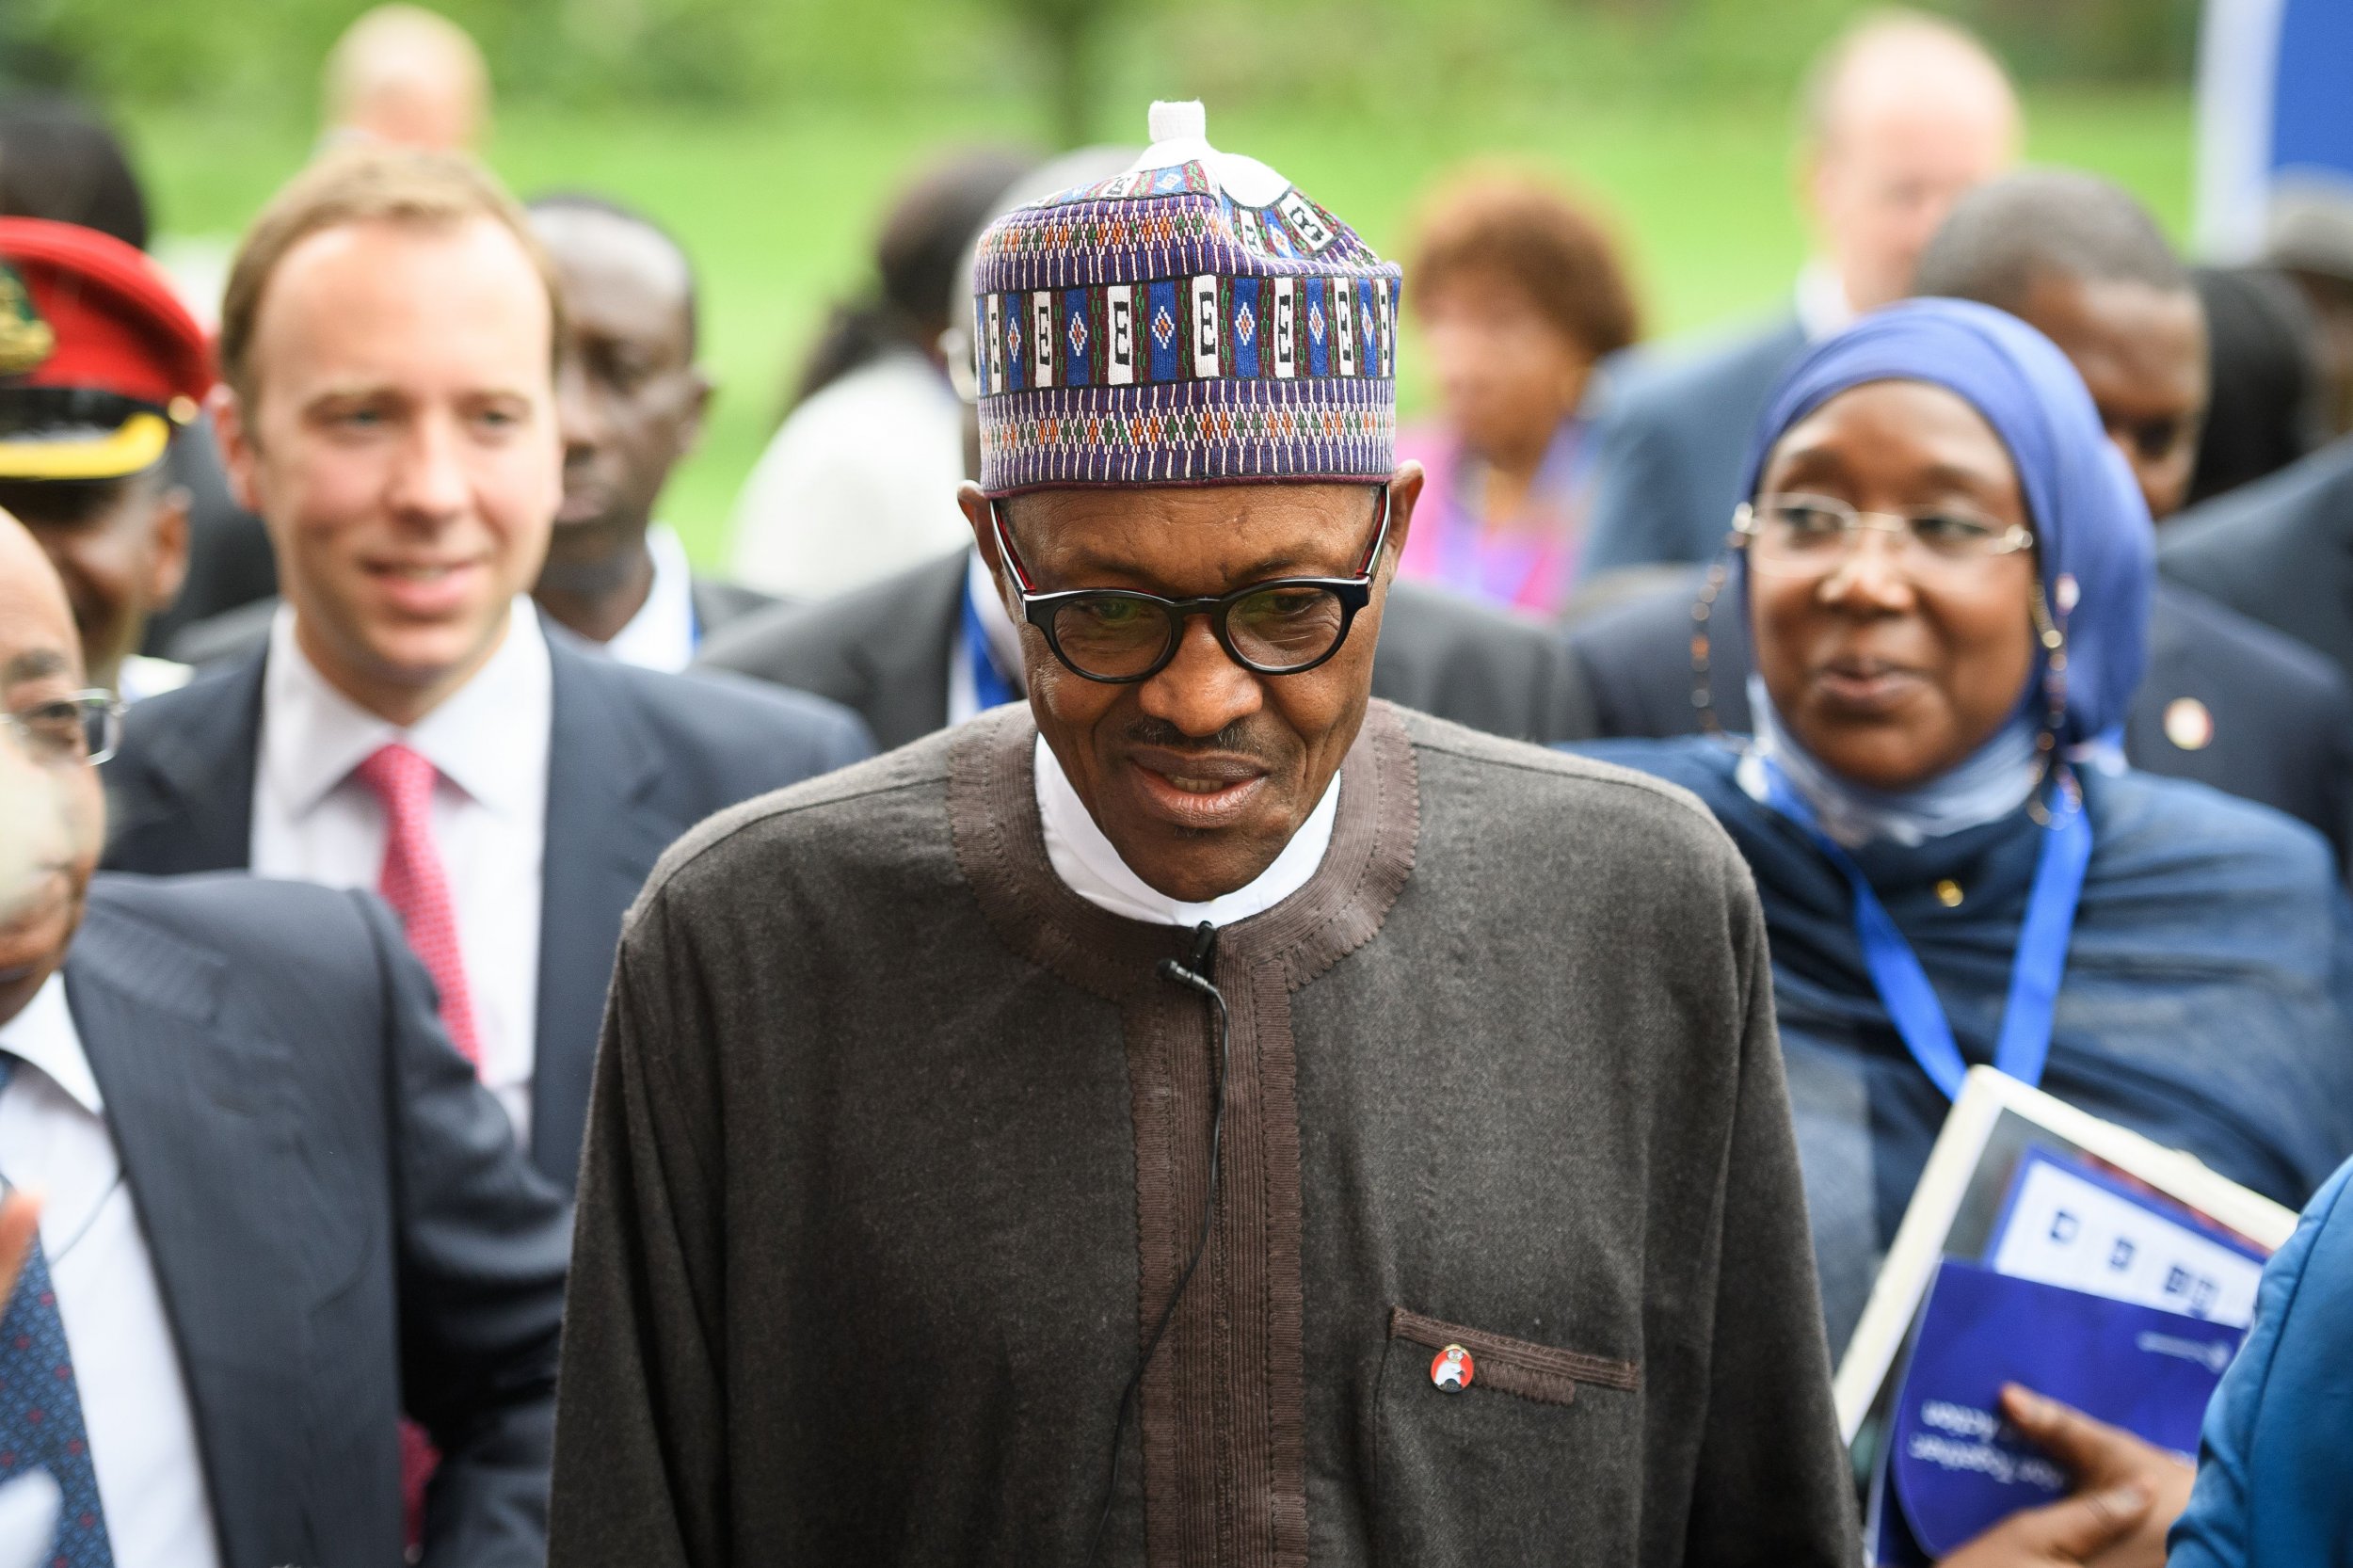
x,y
2091,528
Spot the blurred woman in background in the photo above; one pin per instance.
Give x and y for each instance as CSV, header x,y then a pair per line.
x,y
1518,294
860,480
1947,571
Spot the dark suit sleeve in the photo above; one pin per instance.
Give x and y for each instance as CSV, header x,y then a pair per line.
x,y
482,1241
1772,1430
811,734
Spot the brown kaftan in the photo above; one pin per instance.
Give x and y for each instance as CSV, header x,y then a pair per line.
x,y
899,1145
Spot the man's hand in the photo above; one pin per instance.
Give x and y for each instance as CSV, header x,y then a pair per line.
x,y
2128,1493
19,1219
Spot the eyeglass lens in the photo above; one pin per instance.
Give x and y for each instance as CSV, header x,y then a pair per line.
x,y
71,729
1802,533
1273,630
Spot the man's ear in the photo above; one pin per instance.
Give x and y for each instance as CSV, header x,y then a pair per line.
x,y
168,568
976,514
1404,495
240,453
699,391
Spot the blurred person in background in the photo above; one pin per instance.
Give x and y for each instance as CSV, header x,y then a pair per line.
x,y
388,352
931,645
101,373
2226,701
1901,115
1947,568
2310,239
59,162
278,1206
861,479
1519,293
2281,548
630,399
2263,411
405,76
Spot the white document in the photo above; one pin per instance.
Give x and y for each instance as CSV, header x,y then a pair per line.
x,y
2065,1228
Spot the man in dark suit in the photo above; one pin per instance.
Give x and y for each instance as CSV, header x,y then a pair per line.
x,y
631,396
278,1206
2280,551
928,645
408,725
1901,115
2226,701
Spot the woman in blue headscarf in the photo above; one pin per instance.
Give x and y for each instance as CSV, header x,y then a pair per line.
x,y
1947,573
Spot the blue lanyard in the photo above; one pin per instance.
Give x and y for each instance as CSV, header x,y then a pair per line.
x,y
1903,985
989,685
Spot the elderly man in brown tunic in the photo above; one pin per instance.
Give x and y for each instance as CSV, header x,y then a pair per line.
x,y
1200,1116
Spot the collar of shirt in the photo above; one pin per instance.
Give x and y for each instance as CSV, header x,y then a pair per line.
x,y
42,1035
142,676
1822,305
490,737
1091,868
661,634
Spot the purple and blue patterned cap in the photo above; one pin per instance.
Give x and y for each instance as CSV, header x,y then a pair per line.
x,y
1195,320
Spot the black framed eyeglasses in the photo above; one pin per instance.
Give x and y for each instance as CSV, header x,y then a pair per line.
x,y
1283,625
86,726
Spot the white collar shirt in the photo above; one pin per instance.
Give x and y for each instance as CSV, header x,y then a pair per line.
x,y
54,1137
1823,308
313,822
1091,867
663,633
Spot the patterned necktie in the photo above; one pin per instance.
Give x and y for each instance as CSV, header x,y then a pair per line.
x,y
414,883
40,1408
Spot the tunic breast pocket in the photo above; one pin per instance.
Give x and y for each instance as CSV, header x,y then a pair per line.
x,y
1494,1449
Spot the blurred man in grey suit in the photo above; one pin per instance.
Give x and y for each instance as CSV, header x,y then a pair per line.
x,y
1902,115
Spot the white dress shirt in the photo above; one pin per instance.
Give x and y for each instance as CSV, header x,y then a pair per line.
x,y
135,1401
144,676
1823,309
313,822
661,634
1005,640
1091,867
859,482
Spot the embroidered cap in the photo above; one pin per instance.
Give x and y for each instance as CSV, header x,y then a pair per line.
x,y
1195,320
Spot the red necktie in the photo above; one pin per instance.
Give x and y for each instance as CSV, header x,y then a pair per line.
x,y
414,883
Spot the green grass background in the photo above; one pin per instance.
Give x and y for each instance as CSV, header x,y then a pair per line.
x,y
778,209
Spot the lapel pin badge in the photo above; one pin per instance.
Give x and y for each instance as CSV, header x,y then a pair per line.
x,y
1452,1369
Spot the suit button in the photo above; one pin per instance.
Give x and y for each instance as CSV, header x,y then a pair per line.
x,y
2188,725
1451,1369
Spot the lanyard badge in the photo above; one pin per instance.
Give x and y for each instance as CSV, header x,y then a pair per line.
x,y
1904,987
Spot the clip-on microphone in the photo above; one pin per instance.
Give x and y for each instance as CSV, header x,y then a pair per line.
x,y
1192,973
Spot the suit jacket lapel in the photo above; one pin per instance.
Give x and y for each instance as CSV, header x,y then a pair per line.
x,y
183,800
601,841
219,1185
908,670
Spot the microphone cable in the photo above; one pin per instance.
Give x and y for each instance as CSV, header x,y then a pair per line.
x,y
1194,973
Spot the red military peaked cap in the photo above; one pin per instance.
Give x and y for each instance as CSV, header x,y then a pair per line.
x,y
98,356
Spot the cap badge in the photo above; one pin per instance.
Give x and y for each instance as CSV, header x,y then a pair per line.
x,y
25,340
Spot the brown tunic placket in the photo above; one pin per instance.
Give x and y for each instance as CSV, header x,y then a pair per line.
x,y
1222,1418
